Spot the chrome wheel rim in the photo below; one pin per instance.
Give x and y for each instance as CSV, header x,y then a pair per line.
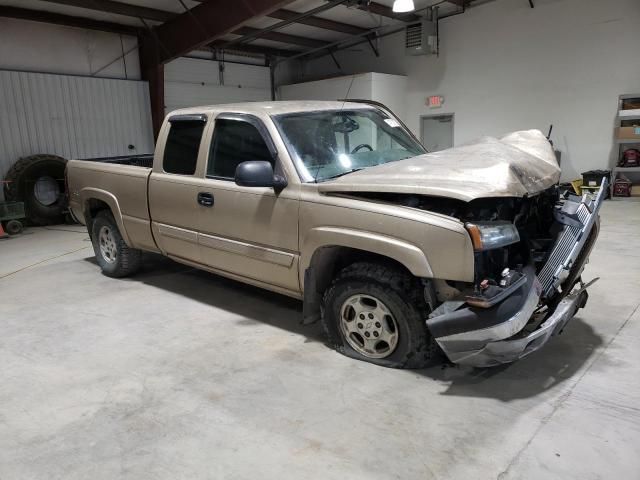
x,y
107,243
369,326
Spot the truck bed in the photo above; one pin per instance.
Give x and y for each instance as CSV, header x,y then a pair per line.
x,y
144,160
120,183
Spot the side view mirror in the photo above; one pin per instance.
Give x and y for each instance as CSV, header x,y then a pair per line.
x,y
258,174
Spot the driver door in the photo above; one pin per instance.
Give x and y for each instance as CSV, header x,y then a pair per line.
x,y
247,231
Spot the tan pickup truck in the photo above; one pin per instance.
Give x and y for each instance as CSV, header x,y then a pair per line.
x,y
399,253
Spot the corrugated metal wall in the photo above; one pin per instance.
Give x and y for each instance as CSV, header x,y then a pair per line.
x,y
71,116
190,82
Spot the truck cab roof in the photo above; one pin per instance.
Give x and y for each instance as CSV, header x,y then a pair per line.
x,y
272,108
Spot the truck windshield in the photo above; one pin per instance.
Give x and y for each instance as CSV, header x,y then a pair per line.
x,y
329,144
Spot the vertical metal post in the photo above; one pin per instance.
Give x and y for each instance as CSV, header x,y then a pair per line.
x,y
153,72
272,77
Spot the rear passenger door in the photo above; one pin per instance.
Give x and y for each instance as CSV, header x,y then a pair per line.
x,y
173,187
248,231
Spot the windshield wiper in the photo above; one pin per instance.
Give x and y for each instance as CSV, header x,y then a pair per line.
x,y
343,173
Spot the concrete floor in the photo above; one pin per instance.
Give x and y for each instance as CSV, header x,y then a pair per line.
x,y
177,373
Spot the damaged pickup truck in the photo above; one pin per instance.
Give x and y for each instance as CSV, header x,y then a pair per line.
x,y
400,253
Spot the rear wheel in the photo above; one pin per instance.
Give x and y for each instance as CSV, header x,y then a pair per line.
x,y
115,257
377,313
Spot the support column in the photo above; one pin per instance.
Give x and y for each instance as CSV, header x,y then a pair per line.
x,y
153,72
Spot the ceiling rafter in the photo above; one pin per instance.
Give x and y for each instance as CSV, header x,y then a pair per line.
x,y
253,49
318,22
203,24
281,37
315,21
120,8
68,20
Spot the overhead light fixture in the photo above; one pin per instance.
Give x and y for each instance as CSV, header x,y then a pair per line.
x,y
403,6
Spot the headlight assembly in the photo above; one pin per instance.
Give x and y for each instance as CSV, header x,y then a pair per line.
x,y
490,235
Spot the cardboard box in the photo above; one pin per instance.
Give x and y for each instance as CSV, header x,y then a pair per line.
x,y
635,190
630,103
628,133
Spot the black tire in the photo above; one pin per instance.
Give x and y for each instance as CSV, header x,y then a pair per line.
x,y
20,186
126,260
13,227
401,294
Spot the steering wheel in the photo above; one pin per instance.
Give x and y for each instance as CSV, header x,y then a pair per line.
x,y
362,145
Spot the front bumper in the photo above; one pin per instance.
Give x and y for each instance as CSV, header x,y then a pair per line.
x,y
515,334
483,337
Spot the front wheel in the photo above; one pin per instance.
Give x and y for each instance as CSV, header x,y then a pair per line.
x,y
377,313
115,257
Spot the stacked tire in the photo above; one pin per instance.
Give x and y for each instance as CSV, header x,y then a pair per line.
x,y
38,181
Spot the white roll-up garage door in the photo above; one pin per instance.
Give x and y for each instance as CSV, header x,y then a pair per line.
x,y
189,82
71,116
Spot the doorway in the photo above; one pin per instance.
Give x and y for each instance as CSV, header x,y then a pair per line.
x,y
437,131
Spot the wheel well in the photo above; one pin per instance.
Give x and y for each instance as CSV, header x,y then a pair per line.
x,y
328,261
92,207
325,263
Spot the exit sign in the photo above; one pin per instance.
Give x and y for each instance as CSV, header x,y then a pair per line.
x,y
435,101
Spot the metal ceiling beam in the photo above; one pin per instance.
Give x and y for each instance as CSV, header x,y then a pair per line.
x,y
68,20
318,22
198,27
253,49
279,37
262,32
203,24
127,9
313,21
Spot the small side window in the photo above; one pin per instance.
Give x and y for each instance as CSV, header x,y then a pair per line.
x,y
181,149
235,142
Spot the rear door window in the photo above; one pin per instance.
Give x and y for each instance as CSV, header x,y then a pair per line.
x,y
183,143
235,142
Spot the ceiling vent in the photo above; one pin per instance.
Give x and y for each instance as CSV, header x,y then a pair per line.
x,y
422,38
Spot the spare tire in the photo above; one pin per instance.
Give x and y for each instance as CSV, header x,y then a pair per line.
x,y
38,181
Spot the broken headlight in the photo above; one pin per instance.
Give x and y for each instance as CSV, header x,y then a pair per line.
x,y
490,235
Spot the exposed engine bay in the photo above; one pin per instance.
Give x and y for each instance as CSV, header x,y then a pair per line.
x,y
529,255
498,270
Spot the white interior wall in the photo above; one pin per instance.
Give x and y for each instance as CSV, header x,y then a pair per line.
x,y
390,90
504,66
355,86
387,89
41,47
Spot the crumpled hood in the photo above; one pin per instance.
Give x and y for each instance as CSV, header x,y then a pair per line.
x,y
519,164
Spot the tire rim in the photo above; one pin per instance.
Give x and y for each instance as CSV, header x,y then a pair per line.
x,y
46,190
369,326
107,243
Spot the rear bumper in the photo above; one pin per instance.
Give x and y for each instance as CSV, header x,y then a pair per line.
x,y
512,329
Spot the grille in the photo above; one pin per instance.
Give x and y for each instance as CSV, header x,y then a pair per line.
x,y
413,37
568,246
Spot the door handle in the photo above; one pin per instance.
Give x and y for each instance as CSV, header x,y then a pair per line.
x,y
205,199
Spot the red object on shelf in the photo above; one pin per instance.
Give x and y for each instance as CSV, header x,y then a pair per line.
x,y
630,158
622,188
